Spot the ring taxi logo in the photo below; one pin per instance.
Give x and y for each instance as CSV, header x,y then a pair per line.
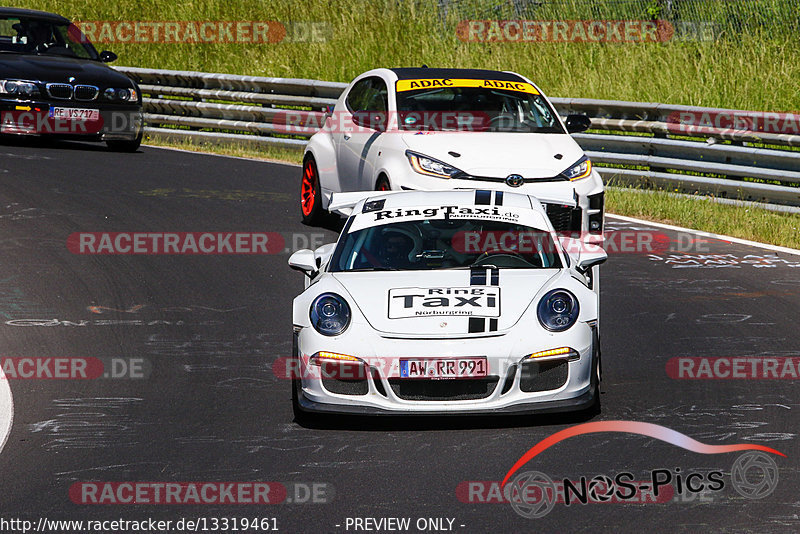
x,y
533,494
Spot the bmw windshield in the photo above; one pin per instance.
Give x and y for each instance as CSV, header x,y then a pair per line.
x,y
432,244
43,37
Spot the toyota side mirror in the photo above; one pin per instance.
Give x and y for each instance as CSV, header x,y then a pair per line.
x,y
578,123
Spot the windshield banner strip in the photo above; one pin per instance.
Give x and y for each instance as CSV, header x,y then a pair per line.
x,y
440,83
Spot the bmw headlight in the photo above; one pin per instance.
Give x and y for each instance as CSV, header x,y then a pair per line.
x,y
123,94
429,166
581,169
558,310
330,314
19,88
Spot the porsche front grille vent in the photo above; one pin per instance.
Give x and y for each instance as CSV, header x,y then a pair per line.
x,y
444,390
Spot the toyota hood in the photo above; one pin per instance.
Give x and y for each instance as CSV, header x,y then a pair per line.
x,y
498,154
444,303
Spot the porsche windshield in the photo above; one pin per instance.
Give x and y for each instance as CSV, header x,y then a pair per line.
x,y
40,36
475,109
432,244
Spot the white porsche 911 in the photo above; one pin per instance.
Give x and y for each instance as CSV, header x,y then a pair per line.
x,y
446,302
432,129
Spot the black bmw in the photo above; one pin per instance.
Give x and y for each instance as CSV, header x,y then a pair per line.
x,y
53,82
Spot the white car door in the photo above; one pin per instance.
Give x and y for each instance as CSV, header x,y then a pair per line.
x,y
356,144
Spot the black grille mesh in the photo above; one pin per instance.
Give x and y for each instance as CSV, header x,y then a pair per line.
x,y
443,390
543,376
564,218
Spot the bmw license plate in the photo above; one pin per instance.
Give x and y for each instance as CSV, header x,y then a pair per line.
x,y
444,368
75,114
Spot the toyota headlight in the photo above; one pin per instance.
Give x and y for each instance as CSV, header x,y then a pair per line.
x,y
558,310
19,88
429,166
330,314
581,169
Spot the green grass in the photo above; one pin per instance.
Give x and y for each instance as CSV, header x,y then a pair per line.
x,y
268,153
754,70
701,213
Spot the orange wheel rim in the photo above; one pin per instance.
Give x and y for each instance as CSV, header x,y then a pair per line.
x,y
307,188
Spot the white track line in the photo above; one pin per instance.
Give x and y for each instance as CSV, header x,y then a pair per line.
x,y
727,238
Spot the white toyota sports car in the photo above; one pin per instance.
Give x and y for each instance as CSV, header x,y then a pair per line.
x,y
432,129
446,302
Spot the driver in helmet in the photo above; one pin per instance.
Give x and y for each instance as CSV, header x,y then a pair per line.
x,y
397,248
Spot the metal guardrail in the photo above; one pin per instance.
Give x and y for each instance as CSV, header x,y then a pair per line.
x,y
226,108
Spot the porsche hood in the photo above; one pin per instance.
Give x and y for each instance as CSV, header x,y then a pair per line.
x,y
456,303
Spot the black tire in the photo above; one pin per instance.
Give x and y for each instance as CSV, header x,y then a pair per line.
x,y
126,146
597,373
302,417
310,193
382,184
296,410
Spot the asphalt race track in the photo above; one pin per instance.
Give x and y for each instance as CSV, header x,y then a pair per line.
x,y
207,330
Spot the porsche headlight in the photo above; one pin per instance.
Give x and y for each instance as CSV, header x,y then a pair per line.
x,y
581,169
429,166
330,314
19,88
558,310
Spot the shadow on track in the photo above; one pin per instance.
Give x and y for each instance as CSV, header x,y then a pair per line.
x,y
417,423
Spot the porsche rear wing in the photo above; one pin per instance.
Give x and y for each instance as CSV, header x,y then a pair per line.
x,y
345,203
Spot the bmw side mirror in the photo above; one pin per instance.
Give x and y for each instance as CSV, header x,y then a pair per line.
x,y
107,56
304,260
578,123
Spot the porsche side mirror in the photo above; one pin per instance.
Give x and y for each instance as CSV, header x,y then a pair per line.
x,y
578,123
107,56
304,260
589,259
324,253
582,254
